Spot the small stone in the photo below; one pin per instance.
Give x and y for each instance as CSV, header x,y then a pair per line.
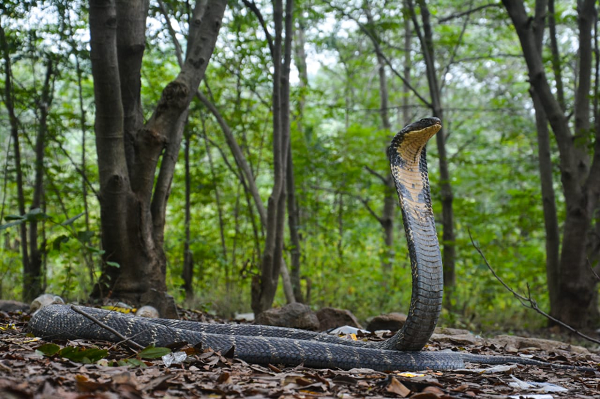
x,y
147,311
45,300
332,318
390,321
293,315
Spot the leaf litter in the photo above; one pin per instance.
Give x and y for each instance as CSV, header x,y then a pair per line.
x,y
35,368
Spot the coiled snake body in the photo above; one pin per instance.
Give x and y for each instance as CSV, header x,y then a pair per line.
x,y
262,344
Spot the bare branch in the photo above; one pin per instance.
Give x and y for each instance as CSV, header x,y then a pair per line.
x,y
376,43
383,179
362,200
528,301
455,48
101,324
252,6
468,12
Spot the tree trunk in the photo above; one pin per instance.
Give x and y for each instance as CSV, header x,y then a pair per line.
x,y
577,295
293,210
132,199
187,274
28,294
545,165
36,252
389,200
264,286
448,238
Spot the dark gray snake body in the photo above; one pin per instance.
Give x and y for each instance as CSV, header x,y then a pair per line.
x,y
61,322
260,344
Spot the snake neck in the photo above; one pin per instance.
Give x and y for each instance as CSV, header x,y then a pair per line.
x,y
409,171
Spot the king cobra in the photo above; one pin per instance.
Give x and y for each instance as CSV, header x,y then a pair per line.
x,y
276,345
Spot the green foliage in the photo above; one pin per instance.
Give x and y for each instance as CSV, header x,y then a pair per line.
x,y
75,354
491,147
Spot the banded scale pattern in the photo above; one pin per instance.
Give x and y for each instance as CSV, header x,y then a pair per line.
x,y
61,322
408,162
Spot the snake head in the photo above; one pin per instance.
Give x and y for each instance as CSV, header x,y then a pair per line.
x,y
408,142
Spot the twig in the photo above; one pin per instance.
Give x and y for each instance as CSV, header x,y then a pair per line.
x,y
362,200
101,324
592,269
528,301
468,12
377,174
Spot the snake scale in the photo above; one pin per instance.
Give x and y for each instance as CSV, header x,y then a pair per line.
x,y
273,345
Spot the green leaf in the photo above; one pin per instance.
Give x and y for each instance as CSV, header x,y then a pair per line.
x,y
113,264
153,353
59,240
49,349
13,217
132,363
14,223
90,355
85,235
35,214
71,220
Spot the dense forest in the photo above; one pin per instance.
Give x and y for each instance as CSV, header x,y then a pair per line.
x,y
233,154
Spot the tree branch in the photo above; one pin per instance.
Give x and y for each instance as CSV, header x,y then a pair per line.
x,y
252,6
528,301
383,179
103,325
376,43
455,48
468,12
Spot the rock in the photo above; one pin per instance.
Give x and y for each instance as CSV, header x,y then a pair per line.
x,y
390,321
147,311
13,306
458,339
451,331
332,317
45,300
547,345
294,315
161,301
244,317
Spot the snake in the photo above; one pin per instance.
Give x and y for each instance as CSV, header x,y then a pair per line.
x,y
287,346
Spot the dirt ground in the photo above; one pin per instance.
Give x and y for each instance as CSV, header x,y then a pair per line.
x,y
28,369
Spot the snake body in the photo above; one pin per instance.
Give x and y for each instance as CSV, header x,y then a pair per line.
x,y
264,345
62,322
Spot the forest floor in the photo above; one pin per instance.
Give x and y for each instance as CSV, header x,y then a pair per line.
x,y
26,372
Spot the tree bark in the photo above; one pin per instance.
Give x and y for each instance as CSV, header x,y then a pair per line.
x,y
187,274
577,304
448,238
133,202
36,252
545,166
264,286
28,295
389,198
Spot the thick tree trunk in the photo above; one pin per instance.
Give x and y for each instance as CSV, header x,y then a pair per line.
x,y
577,295
132,199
